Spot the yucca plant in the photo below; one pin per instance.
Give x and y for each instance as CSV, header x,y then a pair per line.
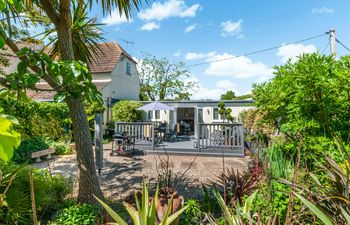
x,y
145,212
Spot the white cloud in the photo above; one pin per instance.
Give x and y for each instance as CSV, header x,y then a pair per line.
x,y
322,10
240,67
190,28
212,93
150,26
231,28
171,8
225,85
115,18
177,53
195,56
293,51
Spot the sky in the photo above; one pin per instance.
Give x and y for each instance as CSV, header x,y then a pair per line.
x,y
198,31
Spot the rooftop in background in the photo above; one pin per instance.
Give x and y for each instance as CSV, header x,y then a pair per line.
x,y
48,96
107,56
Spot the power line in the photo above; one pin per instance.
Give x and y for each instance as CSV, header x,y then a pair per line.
x,y
259,51
342,44
327,45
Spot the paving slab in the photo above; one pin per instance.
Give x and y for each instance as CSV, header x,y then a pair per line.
x,y
121,175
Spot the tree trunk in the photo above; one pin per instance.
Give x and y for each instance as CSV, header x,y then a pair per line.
x,y
88,181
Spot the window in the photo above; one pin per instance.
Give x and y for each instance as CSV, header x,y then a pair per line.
x,y
157,114
128,68
150,115
216,115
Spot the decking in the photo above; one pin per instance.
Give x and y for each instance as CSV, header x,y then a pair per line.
x,y
211,140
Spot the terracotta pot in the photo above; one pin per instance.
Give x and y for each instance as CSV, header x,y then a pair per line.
x,y
164,197
72,146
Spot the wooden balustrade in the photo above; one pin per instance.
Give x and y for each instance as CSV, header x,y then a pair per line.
x,y
142,131
221,135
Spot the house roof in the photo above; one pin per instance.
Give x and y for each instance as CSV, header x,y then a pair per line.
x,y
108,55
46,96
205,103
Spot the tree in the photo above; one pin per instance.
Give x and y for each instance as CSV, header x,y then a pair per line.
x,y
161,79
69,78
225,112
126,111
308,100
229,95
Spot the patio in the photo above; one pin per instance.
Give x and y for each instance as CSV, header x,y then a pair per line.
x,y
121,175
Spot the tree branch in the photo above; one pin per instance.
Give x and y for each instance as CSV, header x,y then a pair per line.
x,y
50,11
49,79
3,82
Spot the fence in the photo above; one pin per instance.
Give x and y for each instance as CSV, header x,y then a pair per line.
x,y
221,136
143,132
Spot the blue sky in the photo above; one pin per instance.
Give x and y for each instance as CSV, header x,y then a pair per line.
x,y
199,31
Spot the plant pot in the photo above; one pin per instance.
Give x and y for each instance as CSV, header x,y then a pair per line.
x,y
164,197
72,146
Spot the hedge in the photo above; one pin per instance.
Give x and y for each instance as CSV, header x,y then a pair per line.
x,y
38,119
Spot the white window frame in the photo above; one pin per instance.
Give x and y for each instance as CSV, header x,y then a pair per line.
x,y
220,119
150,115
128,68
157,117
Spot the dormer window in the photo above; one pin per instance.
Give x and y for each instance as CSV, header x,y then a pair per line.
x,y
128,68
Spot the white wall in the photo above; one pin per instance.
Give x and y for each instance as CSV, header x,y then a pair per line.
x,y
208,112
125,86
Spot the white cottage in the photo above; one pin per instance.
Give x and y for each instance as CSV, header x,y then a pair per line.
x,y
114,74
193,112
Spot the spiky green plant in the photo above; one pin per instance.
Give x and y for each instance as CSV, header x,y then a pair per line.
x,y
145,211
240,215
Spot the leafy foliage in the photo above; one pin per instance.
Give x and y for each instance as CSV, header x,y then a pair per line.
x,y
83,214
9,139
161,79
15,201
229,95
38,119
146,210
126,111
225,112
192,215
28,146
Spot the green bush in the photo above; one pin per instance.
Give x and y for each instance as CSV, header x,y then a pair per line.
x,y
27,147
192,215
126,111
61,148
15,207
38,119
78,215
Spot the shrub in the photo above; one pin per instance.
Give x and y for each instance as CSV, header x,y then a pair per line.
x,y
126,111
38,119
83,214
192,215
61,148
15,207
28,146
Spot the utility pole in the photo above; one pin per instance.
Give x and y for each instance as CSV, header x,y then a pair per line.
x,y
332,40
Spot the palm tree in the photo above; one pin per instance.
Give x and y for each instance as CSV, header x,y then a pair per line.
x,y
59,13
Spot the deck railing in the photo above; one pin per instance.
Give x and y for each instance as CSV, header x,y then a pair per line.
x,y
143,132
221,135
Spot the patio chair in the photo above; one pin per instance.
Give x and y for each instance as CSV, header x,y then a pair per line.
x,y
171,135
187,129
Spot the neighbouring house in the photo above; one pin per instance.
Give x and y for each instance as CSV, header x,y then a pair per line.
x,y
114,74
193,112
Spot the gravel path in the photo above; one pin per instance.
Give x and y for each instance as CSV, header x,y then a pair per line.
x,y
121,175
